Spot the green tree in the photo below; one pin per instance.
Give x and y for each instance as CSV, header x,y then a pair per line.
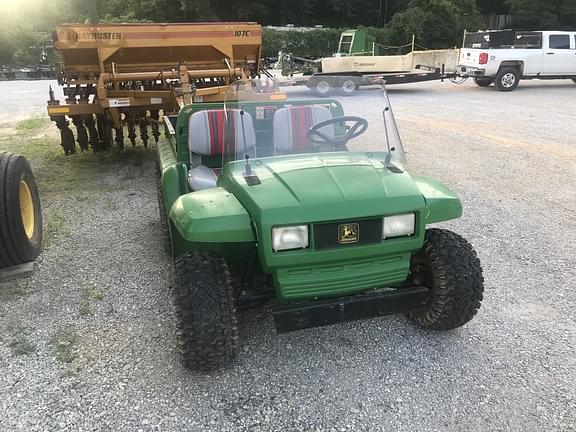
x,y
435,23
535,14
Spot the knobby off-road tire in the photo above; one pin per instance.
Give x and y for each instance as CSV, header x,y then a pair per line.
x,y
205,311
507,79
483,82
20,213
164,229
448,265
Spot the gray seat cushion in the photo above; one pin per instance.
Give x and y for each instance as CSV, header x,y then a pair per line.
x,y
291,124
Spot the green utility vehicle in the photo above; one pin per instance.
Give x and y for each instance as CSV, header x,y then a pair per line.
x,y
305,203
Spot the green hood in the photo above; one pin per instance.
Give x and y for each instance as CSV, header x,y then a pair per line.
x,y
321,187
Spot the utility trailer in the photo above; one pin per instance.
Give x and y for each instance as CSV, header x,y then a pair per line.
x,y
346,83
124,75
359,62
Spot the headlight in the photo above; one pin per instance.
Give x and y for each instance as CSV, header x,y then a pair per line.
x,y
399,225
290,237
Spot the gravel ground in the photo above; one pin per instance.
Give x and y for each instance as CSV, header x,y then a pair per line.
x,y
88,342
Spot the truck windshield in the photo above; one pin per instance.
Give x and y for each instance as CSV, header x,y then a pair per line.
x,y
262,122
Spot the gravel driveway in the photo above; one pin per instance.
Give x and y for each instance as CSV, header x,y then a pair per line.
x,y
88,342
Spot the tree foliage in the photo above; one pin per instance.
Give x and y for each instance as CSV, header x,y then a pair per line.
x,y
534,14
436,23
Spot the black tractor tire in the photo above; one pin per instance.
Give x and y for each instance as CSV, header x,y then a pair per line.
x,y
323,87
164,228
507,79
483,82
348,87
205,311
448,265
20,212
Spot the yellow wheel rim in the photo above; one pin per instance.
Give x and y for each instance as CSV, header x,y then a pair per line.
x,y
27,209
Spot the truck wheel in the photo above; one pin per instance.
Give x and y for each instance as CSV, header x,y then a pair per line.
x,y
483,82
507,79
165,232
322,87
348,87
20,213
448,265
205,311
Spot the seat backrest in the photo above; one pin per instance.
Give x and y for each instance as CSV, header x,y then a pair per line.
x,y
207,130
291,124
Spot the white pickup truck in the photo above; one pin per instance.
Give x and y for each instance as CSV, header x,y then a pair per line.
x,y
505,57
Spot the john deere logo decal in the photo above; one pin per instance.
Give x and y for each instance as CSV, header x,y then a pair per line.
x,y
348,233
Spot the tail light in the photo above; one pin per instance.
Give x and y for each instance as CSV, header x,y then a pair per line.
x,y
483,58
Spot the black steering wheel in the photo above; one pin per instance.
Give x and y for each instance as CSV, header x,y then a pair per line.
x,y
358,128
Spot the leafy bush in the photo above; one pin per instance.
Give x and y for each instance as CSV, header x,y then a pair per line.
x,y
311,44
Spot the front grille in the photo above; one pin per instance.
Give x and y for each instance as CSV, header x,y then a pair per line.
x,y
341,278
332,235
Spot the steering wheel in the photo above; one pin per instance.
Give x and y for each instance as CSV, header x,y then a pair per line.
x,y
358,128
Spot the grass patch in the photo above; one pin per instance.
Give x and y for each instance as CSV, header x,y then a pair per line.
x,y
53,225
21,346
63,345
86,296
71,372
84,308
34,123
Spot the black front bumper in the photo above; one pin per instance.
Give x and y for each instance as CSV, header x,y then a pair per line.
x,y
302,315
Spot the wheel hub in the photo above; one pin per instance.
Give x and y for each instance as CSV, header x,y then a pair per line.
x,y
323,87
508,80
27,209
348,86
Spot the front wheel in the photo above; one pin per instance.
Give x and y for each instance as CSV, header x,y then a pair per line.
x,y
447,264
205,311
483,82
507,79
322,87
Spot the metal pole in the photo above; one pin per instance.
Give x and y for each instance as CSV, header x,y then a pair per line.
x,y
93,12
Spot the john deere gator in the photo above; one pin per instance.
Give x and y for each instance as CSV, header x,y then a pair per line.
x,y
305,203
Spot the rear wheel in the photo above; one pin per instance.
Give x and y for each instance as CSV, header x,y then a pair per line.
x,y
449,267
507,79
20,213
348,87
205,311
483,82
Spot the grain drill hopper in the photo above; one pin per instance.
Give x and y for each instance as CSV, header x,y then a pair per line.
x,y
124,75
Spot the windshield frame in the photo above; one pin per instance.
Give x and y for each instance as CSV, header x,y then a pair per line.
x,y
246,97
